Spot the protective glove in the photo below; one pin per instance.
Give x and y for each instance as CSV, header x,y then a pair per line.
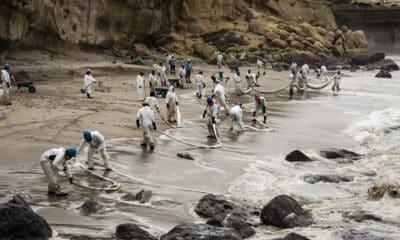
x,y
137,123
8,84
140,86
213,120
71,180
167,105
204,114
154,126
177,103
204,85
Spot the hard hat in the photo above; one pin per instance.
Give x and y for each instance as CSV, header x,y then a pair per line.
x,y
188,60
87,135
153,71
213,78
209,99
249,71
7,66
257,97
217,82
200,72
339,72
71,151
183,65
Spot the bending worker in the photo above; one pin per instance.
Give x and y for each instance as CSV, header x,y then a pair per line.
x,y
236,115
219,93
172,102
212,111
145,119
88,81
53,161
260,104
96,143
200,84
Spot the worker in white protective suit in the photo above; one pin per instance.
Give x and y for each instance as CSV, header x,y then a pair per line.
x,y
236,78
336,81
219,59
324,71
152,80
182,76
53,161
219,93
251,79
145,119
88,82
293,66
260,65
140,86
236,115
305,70
172,102
200,84
96,142
212,112
152,101
260,104
162,72
6,80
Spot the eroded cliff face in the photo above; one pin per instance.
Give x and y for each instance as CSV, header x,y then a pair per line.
x,y
272,29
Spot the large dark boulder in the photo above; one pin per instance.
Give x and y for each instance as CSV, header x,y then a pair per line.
x,y
242,227
293,236
360,217
364,56
143,196
353,234
90,206
330,178
339,153
297,156
280,66
383,74
385,64
19,221
129,231
285,212
201,231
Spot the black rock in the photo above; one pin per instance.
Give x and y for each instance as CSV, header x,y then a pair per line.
x,y
297,156
353,234
19,221
361,216
200,231
90,206
383,74
216,220
331,178
339,153
285,212
129,231
243,228
143,196
280,66
293,236
129,197
185,155
211,205
385,64
84,237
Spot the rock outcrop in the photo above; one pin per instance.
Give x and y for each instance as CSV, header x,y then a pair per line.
x,y
200,231
297,156
130,231
19,221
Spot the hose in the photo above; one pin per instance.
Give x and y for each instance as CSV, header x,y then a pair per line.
x,y
178,114
250,128
199,145
320,87
273,91
114,187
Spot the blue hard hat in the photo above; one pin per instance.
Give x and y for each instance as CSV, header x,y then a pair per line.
x,y
209,99
6,66
87,135
217,82
71,151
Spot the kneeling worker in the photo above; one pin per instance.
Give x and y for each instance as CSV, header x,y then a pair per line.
x,y
53,161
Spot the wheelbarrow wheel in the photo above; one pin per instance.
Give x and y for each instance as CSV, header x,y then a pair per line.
x,y
31,89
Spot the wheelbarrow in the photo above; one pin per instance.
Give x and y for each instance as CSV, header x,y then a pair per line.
x,y
161,91
22,85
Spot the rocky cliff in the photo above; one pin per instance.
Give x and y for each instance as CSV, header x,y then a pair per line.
x,y
279,30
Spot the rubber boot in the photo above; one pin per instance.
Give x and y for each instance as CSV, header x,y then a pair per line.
x,y
291,92
88,95
151,147
265,120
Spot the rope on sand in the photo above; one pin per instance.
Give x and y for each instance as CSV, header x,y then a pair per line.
x,y
114,185
320,87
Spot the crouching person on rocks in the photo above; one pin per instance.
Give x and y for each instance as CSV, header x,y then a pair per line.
x,y
53,161
96,142
145,119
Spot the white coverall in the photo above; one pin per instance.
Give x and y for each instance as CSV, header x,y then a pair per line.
x,y
259,65
324,71
5,78
251,80
293,67
97,143
162,70
146,117
152,82
260,105
53,161
88,81
140,87
172,101
182,75
219,92
153,103
306,70
236,115
219,59
238,88
199,80
336,82
212,112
